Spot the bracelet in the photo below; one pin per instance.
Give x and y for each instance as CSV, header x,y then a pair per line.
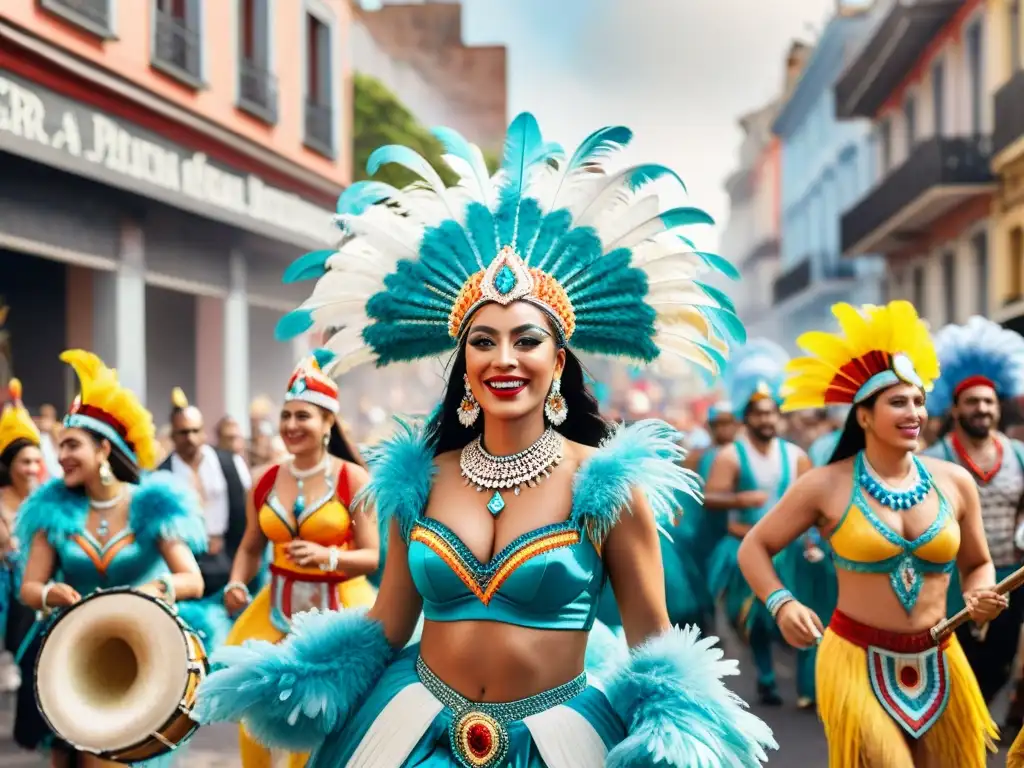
x,y
233,585
167,580
777,599
332,561
46,610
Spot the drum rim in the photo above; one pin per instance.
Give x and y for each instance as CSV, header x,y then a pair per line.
x,y
62,614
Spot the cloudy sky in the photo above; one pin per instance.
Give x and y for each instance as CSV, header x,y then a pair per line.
x,y
678,72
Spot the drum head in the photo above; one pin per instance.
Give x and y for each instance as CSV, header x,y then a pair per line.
x,y
111,671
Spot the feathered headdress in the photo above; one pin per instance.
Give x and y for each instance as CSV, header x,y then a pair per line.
x,y
980,352
720,409
109,410
15,421
876,348
755,372
178,399
587,245
309,384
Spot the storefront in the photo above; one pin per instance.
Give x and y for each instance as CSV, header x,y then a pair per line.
x,y
164,260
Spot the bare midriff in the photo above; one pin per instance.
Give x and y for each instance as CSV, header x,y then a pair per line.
x,y
869,599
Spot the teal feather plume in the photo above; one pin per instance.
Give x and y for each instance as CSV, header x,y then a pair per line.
x,y
295,323
362,194
310,266
323,357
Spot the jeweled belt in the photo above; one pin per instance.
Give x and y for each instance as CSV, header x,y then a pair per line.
x,y
478,734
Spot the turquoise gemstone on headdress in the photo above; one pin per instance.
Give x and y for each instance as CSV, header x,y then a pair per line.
x,y
505,280
496,504
299,387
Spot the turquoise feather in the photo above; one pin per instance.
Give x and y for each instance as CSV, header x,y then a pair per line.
x,y
644,174
684,217
399,155
980,347
361,195
717,295
310,266
324,357
295,323
719,264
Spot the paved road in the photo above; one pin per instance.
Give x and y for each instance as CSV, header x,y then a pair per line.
x,y
800,737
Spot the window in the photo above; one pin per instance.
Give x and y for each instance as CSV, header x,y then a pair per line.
x,y
1016,271
910,115
939,97
949,285
979,244
177,40
918,289
319,113
257,86
885,145
91,15
974,73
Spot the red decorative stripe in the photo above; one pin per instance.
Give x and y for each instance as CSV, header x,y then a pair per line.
x,y
973,381
842,387
894,705
313,578
983,477
896,642
106,418
314,384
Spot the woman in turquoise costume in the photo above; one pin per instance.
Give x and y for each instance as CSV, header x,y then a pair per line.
x,y
104,524
745,480
508,511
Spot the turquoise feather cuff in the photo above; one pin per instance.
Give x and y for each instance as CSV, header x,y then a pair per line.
x,y
679,713
293,694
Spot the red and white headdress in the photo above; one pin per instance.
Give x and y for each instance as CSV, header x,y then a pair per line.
x,y
309,384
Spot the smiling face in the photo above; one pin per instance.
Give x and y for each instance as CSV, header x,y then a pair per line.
x,y
511,359
303,427
897,417
25,468
762,419
81,456
977,411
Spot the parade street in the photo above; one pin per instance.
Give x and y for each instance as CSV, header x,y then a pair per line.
x,y
800,737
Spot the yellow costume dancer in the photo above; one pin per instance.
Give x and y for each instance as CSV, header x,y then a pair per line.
x,y
325,521
877,688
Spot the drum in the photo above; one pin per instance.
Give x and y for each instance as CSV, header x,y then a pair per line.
x,y
117,674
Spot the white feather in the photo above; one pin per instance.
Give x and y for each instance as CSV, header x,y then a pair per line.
x,y
614,228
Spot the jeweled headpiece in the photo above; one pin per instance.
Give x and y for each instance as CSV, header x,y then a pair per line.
x,y
755,372
109,410
309,384
980,352
876,348
592,247
15,421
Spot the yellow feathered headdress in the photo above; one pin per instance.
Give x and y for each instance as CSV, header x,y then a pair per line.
x,y
876,348
15,422
109,410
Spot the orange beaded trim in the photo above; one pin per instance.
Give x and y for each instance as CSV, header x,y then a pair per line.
x,y
547,293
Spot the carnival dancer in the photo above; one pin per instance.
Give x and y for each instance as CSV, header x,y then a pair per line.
x,y
509,510
21,464
105,524
323,547
745,479
898,525
222,481
982,364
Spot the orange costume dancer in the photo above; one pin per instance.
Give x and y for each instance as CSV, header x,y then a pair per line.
x,y
322,550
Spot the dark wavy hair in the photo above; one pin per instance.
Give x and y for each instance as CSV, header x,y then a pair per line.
x,y
8,457
340,447
583,424
124,469
852,439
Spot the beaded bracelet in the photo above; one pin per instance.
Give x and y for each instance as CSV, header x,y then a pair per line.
x,y
168,584
332,561
777,599
45,610
240,586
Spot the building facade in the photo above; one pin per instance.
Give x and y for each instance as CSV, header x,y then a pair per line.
x,y
1005,62
163,161
921,77
751,237
826,167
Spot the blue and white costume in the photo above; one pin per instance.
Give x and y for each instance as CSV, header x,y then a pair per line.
x,y
603,261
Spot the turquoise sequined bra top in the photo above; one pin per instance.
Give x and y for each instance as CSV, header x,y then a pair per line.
x,y
550,578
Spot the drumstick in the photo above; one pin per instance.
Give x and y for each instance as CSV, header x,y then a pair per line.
x,y
946,627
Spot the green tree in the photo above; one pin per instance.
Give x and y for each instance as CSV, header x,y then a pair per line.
x,y
381,118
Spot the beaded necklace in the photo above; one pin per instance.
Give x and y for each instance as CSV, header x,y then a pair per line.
x,y
895,499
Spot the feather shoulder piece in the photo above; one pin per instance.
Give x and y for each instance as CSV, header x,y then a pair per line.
x,y
401,474
645,456
164,508
54,510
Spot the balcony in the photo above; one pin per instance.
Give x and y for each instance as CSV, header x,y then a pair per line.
x,y
1009,107
319,128
809,272
91,15
940,174
257,90
889,54
767,248
177,49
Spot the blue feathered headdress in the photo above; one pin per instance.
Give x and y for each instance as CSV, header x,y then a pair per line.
x,y
980,351
757,368
590,245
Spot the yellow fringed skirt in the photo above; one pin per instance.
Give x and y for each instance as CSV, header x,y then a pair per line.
x,y
891,700
1015,758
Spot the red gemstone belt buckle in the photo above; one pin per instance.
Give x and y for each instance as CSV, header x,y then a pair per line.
x,y
478,740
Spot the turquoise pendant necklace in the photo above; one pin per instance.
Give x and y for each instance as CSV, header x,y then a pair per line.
x,y
301,475
503,473
103,509
890,497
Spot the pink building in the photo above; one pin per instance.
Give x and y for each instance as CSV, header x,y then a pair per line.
x,y
162,162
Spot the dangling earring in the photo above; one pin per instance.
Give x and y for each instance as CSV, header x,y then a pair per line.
x,y
555,407
469,408
326,441
106,474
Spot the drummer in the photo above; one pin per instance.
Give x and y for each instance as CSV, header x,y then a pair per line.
x,y
103,525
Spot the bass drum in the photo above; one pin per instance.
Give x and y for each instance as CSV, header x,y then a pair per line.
x,y
117,675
